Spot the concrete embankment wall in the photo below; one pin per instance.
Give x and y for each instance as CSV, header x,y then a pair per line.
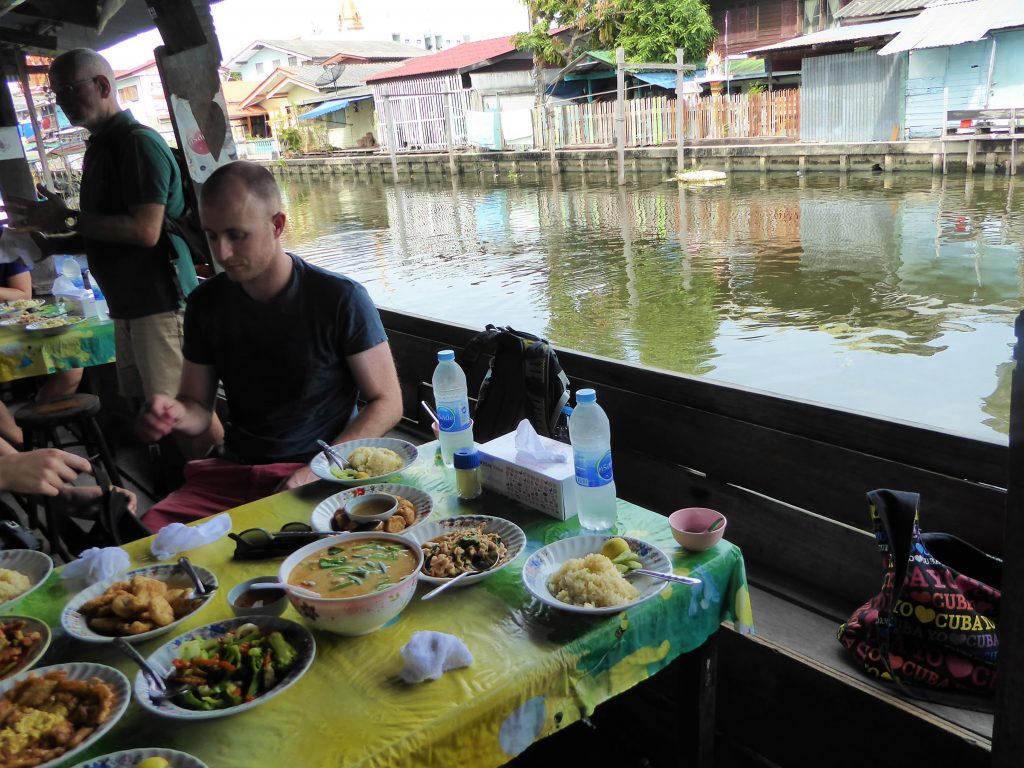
x,y
981,155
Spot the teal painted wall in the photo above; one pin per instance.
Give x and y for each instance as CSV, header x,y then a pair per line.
x,y
1008,72
963,69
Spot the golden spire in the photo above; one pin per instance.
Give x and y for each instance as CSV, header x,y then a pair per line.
x,y
349,19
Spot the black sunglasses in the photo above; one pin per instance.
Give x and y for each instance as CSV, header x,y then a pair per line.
x,y
260,544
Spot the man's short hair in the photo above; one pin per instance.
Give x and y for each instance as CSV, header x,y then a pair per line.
x,y
255,178
83,62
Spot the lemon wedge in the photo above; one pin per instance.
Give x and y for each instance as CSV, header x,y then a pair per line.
x,y
614,547
153,762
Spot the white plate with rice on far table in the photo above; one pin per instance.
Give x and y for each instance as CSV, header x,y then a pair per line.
x,y
405,451
34,566
545,563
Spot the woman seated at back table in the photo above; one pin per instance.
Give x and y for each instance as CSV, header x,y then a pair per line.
x,y
16,284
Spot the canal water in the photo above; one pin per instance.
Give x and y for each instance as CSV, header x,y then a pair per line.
x,y
892,295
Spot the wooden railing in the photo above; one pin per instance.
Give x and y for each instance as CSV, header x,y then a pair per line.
x,y
651,121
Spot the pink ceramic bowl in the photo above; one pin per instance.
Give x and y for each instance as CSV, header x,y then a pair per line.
x,y
690,527
354,615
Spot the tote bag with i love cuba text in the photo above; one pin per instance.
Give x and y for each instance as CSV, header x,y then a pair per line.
x,y
934,623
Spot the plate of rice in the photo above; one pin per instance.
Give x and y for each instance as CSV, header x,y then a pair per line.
x,y
372,459
22,571
572,575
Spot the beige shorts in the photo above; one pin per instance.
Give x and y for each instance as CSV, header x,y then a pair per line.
x,y
149,354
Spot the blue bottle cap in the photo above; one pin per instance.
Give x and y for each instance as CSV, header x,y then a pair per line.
x,y
586,396
466,458
445,354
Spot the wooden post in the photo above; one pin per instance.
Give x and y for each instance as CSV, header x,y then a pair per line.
x,y
1007,735
26,88
620,113
392,137
448,134
15,176
549,125
680,132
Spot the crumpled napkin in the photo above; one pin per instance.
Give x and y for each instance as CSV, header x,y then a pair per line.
x,y
428,655
177,537
529,445
95,565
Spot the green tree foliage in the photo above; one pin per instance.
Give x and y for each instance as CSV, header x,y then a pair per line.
x,y
649,30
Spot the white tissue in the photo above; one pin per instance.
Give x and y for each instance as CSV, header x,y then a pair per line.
x,y
428,655
95,565
176,537
529,445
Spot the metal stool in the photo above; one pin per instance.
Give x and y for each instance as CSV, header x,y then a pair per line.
x,y
40,421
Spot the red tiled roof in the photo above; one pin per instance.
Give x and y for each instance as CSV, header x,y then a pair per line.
x,y
450,59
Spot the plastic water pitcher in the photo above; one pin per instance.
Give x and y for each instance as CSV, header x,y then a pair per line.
x,y
590,435
452,403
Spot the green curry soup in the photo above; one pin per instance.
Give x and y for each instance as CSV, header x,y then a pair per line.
x,y
355,568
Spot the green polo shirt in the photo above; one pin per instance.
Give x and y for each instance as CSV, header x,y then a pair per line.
x,y
124,167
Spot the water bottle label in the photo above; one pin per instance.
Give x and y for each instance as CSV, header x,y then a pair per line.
x,y
593,471
453,416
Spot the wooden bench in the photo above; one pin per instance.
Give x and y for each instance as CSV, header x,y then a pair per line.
x,y
791,477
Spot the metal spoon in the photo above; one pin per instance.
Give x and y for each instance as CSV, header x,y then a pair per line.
x,y
479,568
332,456
200,590
158,688
438,590
665,576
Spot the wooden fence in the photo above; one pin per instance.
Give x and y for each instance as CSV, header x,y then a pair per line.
x,y
652,121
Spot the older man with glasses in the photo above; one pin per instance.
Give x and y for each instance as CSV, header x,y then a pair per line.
x,y
129,179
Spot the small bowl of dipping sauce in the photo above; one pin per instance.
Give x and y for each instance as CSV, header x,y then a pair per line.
x,y
257,602
697,528
372,507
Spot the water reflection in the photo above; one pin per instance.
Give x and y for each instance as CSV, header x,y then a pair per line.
x,y
892,295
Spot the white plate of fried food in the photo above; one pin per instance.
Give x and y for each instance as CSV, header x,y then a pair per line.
x,y
51,326
467,543
140,604
94,696
22,571
372,459
132,758
414,506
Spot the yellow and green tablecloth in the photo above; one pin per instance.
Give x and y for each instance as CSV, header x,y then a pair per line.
x,y
24,354
535,670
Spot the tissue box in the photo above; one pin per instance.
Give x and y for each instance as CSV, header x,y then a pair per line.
x,y
548,488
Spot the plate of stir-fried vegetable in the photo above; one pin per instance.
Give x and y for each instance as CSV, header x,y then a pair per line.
x,y
229,667
23,641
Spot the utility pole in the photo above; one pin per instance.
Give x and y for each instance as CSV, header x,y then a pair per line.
x,y
680,106
620,112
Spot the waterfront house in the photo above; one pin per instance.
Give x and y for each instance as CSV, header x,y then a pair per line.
x,y
426,93
747,24
260,58
139,89
843,60
330,103
961,56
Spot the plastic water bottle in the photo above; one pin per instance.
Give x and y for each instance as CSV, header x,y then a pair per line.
x,y
590,435
72,270
101,302
452,403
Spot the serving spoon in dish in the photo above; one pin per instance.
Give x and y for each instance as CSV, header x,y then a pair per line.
x,y
665,576
333,456
159,690
282,586
200,591
477,568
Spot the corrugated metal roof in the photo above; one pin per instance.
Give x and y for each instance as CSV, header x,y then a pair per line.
x,y
840,35
324,49
953,23
450,59
878,8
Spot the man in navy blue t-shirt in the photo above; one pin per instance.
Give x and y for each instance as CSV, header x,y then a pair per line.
x,y
294,346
